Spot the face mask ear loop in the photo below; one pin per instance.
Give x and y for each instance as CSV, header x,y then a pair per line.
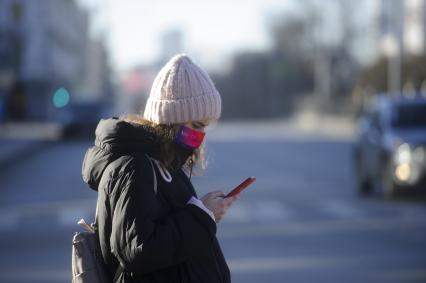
x,y
191,164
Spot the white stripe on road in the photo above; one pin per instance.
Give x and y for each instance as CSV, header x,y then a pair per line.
x,y
239,212
341,209
71,215
270,211
320,227
286,263
9,220
261,211
258,265
35,274
64,213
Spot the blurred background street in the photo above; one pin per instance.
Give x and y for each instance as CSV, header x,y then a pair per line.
x,y
324,102
302,220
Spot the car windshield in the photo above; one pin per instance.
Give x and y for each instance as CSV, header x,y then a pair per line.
x,y
409,116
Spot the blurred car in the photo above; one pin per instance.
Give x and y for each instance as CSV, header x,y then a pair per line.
x,y
390,152
83,117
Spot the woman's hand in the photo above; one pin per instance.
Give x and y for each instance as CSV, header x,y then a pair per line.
x,y
218,204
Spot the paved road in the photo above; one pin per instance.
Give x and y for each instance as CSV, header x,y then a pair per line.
x,y
300,222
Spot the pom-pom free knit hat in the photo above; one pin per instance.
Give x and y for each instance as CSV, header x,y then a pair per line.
x,y
182,92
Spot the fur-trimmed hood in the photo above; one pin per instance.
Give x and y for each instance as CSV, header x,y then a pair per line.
x,y
115,138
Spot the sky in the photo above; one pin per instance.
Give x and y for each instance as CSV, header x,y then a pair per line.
x,y
212,30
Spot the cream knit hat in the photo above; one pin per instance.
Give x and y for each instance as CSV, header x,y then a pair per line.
x,y
182,92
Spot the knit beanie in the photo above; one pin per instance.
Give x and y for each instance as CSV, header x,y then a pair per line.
x,y
182,92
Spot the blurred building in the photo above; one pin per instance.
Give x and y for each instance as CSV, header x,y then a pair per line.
x,y
136,83
402,35
46,46
97,84
402,27
415,27
171,44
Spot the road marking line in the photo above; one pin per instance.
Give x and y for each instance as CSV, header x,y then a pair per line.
x,y
32,274
70,216
320,227
66,212
270,210
51,206
239,212
9,220
286,263
341,208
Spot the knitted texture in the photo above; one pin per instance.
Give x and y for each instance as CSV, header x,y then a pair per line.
x,y
182,92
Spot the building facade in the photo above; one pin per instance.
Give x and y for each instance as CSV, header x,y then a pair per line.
x,y
45,43
402,27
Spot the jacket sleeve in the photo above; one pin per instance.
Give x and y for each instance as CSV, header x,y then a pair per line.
x,y
141,242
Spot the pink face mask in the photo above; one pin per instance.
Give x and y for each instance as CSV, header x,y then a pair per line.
x,y
189,137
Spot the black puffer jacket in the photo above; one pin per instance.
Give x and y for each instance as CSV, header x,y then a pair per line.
x,y
155,237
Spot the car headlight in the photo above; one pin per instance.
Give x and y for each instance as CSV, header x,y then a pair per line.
x,y
403,172
402,154
408,163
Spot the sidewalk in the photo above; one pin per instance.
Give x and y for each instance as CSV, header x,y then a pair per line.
x,y
20,140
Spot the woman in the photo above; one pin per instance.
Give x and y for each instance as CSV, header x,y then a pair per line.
x,y
151,225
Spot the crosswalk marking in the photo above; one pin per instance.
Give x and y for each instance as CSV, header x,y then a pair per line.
x,y
279,263
270,210
34,274
239,212
70,216
65,213
341,209
319,227
8,220
258,211
265,210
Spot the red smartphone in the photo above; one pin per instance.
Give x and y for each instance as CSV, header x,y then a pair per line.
x,y
241,186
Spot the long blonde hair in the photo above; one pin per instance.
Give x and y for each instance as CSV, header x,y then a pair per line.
x,y
168,154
